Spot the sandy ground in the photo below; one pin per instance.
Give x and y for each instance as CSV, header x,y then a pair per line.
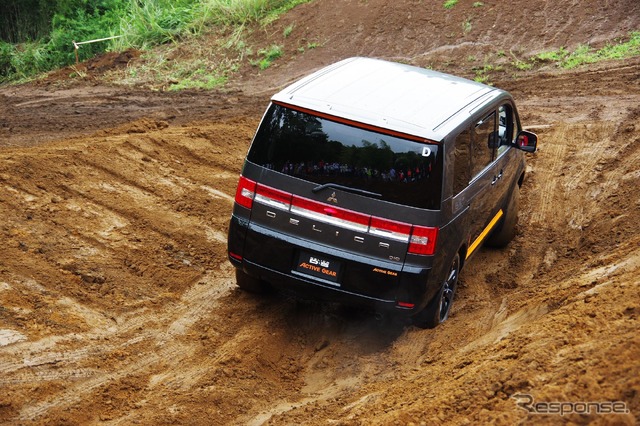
x,y
118,306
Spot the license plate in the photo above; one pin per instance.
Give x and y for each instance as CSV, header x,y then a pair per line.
x,y
319,267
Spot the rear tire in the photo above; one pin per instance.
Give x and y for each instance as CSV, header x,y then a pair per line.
x,y
437,311
248,283
506,230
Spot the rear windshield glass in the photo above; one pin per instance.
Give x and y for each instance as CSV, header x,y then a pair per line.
x,y
325,151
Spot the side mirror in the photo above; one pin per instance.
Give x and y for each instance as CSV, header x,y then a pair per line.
x,y
526,141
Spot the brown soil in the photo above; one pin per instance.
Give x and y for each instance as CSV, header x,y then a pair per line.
x,y
118,306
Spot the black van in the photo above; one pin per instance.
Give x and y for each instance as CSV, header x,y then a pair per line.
x,y
374,182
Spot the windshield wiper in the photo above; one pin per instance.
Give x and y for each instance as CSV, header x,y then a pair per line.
x,y
345,188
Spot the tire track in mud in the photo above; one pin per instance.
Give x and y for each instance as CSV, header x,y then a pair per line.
x,y
86,201
576,179
155,344
174,180
170,352
105,211
554,149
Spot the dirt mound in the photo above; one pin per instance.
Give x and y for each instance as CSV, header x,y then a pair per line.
x,y
117,303
111,60
91,69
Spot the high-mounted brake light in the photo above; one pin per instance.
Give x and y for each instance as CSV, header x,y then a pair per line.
x,y
423,240
246,192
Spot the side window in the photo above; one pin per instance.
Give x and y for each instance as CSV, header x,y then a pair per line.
x,y
485,138
461,161
505,127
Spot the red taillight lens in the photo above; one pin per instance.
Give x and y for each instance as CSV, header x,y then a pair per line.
x,y
423,240
273,197
246,192
331,214
390,229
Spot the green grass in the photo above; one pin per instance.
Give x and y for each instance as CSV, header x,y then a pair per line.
x,y
159,70
205,82
585,54
466,26
154,22
233,18
552,56
309,46
622,50
449,4
268,56
228,40
483,74
143,25
562,58
522,65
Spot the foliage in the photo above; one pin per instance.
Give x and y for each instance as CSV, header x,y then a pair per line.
x,y
38,35
268,56
466,26
65,21
482,74
449,4
153,22
584,54
22,20
7,51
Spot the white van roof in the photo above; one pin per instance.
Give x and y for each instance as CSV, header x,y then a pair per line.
x,y
390,95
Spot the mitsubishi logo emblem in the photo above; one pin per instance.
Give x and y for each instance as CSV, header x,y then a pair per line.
x,y
333,198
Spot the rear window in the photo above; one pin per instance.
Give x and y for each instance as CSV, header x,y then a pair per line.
x,y
324,151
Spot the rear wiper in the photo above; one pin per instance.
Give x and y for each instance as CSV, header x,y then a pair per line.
x,y
345,188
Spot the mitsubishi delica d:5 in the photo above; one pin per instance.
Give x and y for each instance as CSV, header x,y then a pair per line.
x,y
372,182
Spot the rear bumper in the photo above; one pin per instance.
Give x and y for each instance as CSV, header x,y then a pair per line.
x,y
308,288
272,256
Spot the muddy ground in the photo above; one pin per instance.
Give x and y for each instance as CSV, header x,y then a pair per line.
x,y
118,306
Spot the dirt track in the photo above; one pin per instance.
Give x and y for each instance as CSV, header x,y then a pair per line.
x,y
117,304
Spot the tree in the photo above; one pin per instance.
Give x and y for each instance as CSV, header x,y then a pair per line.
x,y
25,20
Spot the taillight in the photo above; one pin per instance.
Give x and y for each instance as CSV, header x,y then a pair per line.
x,y
330,214
423,240
246,192
398,231
273,197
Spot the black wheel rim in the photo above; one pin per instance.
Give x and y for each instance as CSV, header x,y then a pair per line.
x,y
449,289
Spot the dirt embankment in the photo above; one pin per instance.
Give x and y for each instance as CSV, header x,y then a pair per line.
x,y
117,304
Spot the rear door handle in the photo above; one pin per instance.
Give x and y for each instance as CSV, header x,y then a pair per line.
x,y
496,178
